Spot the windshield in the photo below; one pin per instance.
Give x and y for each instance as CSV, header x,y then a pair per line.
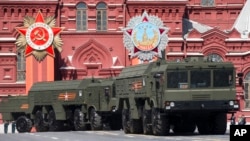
x,y
177,79
223,78
200,78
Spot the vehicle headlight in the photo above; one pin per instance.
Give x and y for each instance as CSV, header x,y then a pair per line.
x,y
172,104
231,103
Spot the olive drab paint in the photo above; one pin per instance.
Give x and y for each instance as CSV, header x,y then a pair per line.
x,y
173,95
147,98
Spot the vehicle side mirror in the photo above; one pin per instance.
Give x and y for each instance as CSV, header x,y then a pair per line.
x,y
240,79
106,92
157,75
157,85
240,74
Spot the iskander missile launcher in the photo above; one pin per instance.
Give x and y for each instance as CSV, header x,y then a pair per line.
x,y
65,105
16,108
148,98
181,96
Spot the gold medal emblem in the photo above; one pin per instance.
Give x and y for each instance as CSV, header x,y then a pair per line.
x,y
39,37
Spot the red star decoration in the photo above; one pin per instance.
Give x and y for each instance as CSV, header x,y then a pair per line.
x,y
145,19
39,19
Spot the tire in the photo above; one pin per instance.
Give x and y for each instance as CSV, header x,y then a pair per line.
x,y
146,122
204,127
79,120
135,126
54,125
185,126
39,122
116,121
95,120
216,123
160,123
23,124
125,121
220,124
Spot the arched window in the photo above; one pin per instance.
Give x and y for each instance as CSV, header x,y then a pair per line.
x,y
215,57
247,90
101,19
81,17
5,12
21,66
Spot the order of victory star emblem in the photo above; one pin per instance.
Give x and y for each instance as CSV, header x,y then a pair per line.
x,y
39,37
145,37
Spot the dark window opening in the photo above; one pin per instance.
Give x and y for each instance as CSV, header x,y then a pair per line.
x,y
177,79
223,78
200,79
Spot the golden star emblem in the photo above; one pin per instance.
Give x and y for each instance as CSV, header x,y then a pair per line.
x,y
39,36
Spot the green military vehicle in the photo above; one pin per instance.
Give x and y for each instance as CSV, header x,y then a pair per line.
x,y
16,108
180,96
68,105
149,98
103,113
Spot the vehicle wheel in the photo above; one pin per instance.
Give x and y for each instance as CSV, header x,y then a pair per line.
x,y
115,121
125,121
23,124
185,126
40,124
160,124
78,120
220,123
204,126
54,125
135,126
95,120
146,122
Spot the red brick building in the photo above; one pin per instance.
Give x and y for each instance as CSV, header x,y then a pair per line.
x,y
93,37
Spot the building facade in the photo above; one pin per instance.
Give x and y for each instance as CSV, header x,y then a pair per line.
x,y
93,37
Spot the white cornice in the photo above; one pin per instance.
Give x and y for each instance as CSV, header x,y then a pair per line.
x,y
69,4
182,53
7,54
175,53
175,39
194,54
194,39
67,68
158,0
7,39
237,39
237,53
30,0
